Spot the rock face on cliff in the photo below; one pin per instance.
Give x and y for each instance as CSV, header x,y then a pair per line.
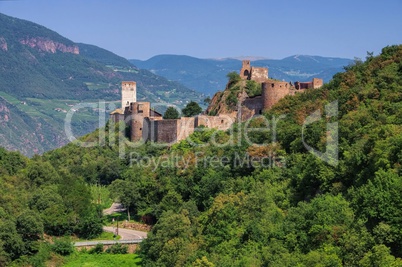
x,y
48,45
43,76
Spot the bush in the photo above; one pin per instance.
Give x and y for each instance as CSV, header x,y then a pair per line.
x,y
117,249
98,249
63,246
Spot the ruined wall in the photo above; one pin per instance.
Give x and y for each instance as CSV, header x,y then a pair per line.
x,y
128,93
273,91
254,103
259,74
185,127
250,107
317,83
303,85
166,131
220,122
245,70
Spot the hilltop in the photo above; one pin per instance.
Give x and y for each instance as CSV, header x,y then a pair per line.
x,y
209,75
43,75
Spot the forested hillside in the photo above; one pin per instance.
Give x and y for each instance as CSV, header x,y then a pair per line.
x,y
43,75
221,199
254,195
37,201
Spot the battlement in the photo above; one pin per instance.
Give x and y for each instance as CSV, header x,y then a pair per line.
x,y
257,74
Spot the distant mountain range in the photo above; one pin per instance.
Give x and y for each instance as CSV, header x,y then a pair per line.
x,y
209,75
43,75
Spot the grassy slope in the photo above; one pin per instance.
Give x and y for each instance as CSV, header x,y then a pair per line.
x,y
102,260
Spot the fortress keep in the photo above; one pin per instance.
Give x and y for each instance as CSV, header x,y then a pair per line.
x,y
146,124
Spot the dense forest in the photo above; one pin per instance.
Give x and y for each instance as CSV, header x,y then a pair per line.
x,y
251,196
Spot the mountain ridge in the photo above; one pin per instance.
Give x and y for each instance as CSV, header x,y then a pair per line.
x,y
209,75
43,75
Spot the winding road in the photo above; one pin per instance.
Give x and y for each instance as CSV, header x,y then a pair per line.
x,y
128,236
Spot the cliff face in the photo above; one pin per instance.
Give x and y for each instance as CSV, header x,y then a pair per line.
x,y
47,45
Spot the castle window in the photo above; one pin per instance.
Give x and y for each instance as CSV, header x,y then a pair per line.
x,y
140,129
272,85
246,73
221,121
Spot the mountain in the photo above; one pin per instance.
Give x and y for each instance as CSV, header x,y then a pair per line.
x,y
209,75
43,75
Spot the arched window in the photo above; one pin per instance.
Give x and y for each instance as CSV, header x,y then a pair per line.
x,y
246,73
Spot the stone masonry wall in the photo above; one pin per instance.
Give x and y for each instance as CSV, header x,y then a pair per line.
x,y
273,91
259,74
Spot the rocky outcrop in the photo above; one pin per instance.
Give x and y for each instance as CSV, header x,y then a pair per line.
x,y
50,46
3,44
4,113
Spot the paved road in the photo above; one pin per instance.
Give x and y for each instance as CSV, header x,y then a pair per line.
x,y
116,207
106,242
126,234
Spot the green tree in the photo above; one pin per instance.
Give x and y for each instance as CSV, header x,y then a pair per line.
x,y
171,113
234,77
30,227
191,109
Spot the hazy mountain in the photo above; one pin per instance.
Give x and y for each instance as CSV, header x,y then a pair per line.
x,y
209,75
43,75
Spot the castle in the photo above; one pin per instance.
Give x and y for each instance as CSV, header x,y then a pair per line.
x,y
148,125
271,90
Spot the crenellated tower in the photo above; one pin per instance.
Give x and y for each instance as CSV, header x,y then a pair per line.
x,y
128,94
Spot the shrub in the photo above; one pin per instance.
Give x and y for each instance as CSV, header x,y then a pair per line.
x,y
98,249
117,249
63,246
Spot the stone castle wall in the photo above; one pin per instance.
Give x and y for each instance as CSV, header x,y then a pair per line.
x,y
174,130
273,91
148,125
259,74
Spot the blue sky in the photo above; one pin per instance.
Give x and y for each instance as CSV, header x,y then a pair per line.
x,y
217,29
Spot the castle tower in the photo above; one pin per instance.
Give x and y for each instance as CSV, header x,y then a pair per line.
x,y
245,71
128,94
317,83
139,111
272,92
